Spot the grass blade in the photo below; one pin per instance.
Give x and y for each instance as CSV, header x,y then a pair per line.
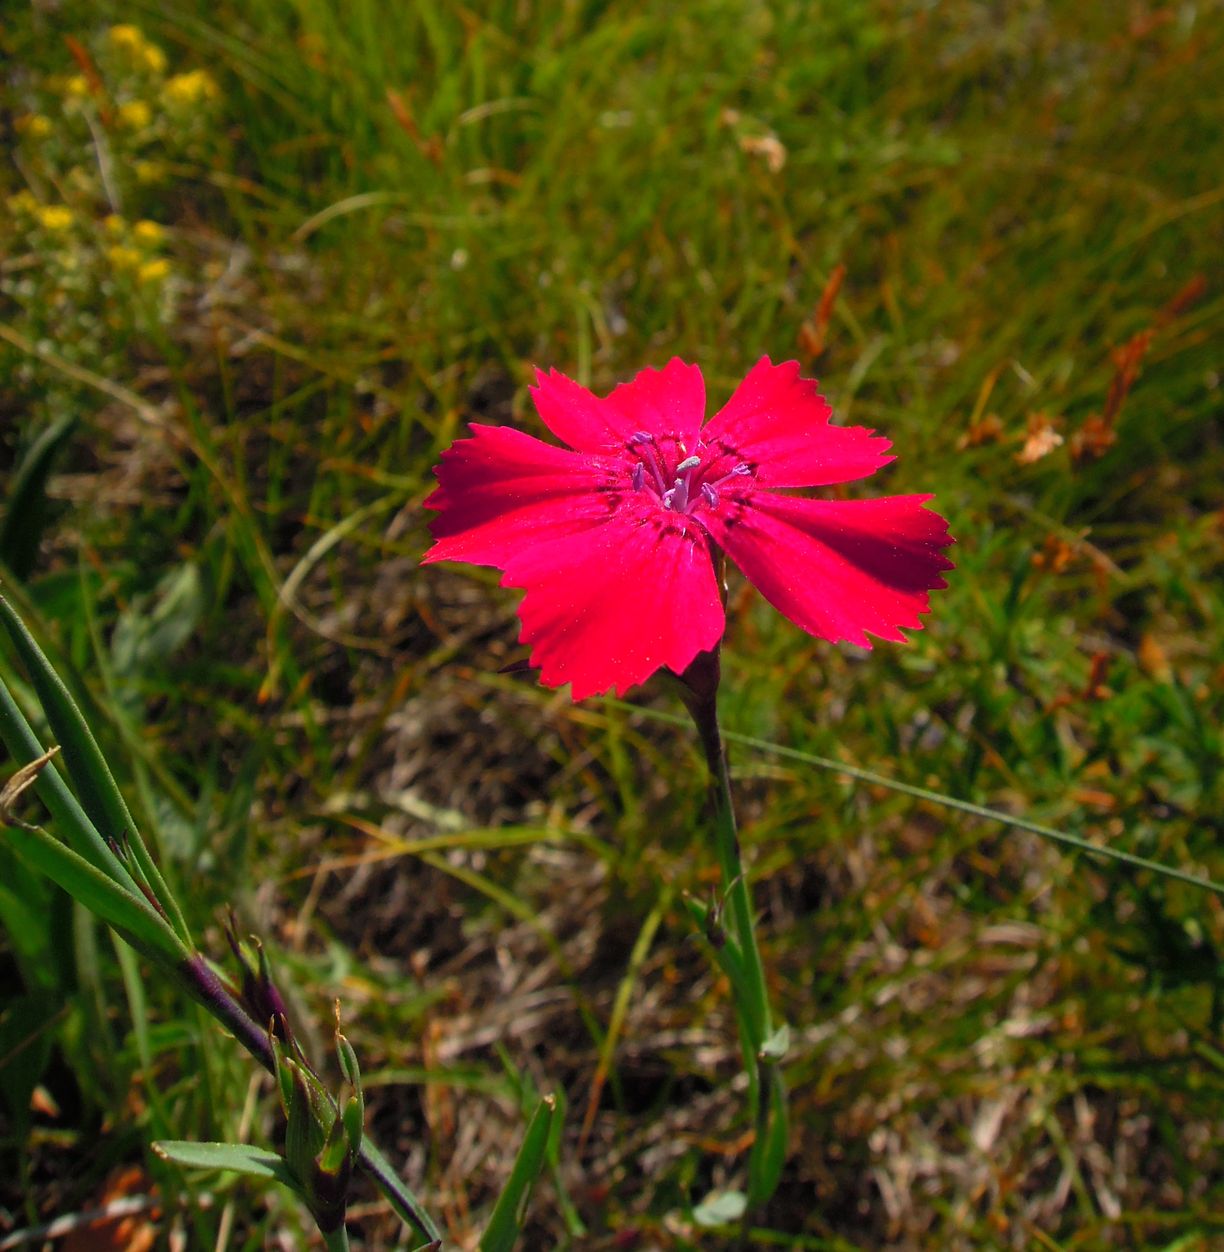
x,y
25,514
79,832
127,911
100,794
502,1232
946,801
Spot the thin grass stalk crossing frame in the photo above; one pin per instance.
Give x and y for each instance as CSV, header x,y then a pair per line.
x,y
859,774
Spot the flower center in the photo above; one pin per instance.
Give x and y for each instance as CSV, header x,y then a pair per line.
x,y
688,485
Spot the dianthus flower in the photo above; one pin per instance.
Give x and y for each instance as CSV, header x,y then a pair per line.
x,y
617,537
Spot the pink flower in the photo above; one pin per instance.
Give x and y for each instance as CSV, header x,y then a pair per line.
x,y
615,538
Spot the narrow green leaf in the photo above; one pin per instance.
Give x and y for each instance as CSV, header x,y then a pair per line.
x,y
720,1208
87,767
25,514
158,1118
127,911
70,818
152,628
502,1232
236,1158
26,1034
569,1214
27,919
400,1197
138,1010
768,1156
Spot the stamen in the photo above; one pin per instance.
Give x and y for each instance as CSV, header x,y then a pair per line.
x,y
709,495
688,463
738,472
638,476
642,442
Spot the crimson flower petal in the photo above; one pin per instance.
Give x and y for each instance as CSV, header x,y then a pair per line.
x,y
503,489
840,568
613,539
606,608
666,403
779,423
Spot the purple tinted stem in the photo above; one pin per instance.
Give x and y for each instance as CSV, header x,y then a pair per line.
x,y
220,1000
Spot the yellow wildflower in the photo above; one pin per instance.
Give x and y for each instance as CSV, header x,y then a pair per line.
x,y
33,124
113,224
76,86
147,172
131,41
190,88
134,114
122,257
127,36
21,203
147,232
154,271
56,218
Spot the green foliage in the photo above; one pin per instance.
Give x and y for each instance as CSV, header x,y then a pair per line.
x,y
26,506
506,1221
384,217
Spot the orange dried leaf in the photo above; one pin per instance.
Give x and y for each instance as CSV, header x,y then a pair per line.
x,y
987,429
1189,295
1096,799
1095,688
1153,659
125,1231
812,334
1056,554
1093,439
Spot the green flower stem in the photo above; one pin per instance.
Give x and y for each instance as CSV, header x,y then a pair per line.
x,y
755,1001
766,1092
336,1240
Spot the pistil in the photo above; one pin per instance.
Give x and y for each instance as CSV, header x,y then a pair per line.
x,y
684,495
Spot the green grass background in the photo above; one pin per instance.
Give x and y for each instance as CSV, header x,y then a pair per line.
x,y
396,212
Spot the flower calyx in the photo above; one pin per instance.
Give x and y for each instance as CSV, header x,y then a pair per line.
x,y
258,992
322,1133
